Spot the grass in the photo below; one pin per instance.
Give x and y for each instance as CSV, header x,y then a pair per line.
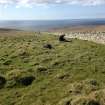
x,y
71,73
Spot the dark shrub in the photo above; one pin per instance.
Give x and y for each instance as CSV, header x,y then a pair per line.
x,y
68,103
7,62
63,76
41,69
2,82
26,80
19,78
92,102
93,82
49,46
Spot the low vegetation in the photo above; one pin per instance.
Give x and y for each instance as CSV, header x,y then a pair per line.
x,y
67,73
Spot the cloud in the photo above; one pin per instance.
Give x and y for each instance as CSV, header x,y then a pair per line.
x,y
30,3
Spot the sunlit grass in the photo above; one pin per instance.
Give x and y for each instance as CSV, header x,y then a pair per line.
x,y
67,73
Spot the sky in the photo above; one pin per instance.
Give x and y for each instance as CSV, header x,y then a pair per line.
x,y
51,9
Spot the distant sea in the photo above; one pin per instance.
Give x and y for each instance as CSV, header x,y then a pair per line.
x,y
45,25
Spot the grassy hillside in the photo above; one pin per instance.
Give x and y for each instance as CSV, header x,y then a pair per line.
x,y
71,73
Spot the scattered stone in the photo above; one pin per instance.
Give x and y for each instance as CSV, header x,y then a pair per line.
x,y
2,82
89,36
49,46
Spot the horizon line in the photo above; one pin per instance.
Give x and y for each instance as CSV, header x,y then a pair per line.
x,y
48,19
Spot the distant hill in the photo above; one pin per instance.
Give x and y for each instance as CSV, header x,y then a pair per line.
x,y
89,28
7,29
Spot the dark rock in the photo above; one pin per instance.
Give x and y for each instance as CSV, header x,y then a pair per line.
x,y
62,38
2,82
49,46
26,80
92,102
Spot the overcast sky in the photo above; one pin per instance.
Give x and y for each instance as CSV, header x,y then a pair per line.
x,y
51,9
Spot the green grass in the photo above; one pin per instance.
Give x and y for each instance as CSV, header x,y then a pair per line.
x,y
70,72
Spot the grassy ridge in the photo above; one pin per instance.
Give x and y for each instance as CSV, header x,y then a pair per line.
x,y
71,73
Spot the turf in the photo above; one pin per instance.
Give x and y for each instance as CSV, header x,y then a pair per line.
x,y
71,73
